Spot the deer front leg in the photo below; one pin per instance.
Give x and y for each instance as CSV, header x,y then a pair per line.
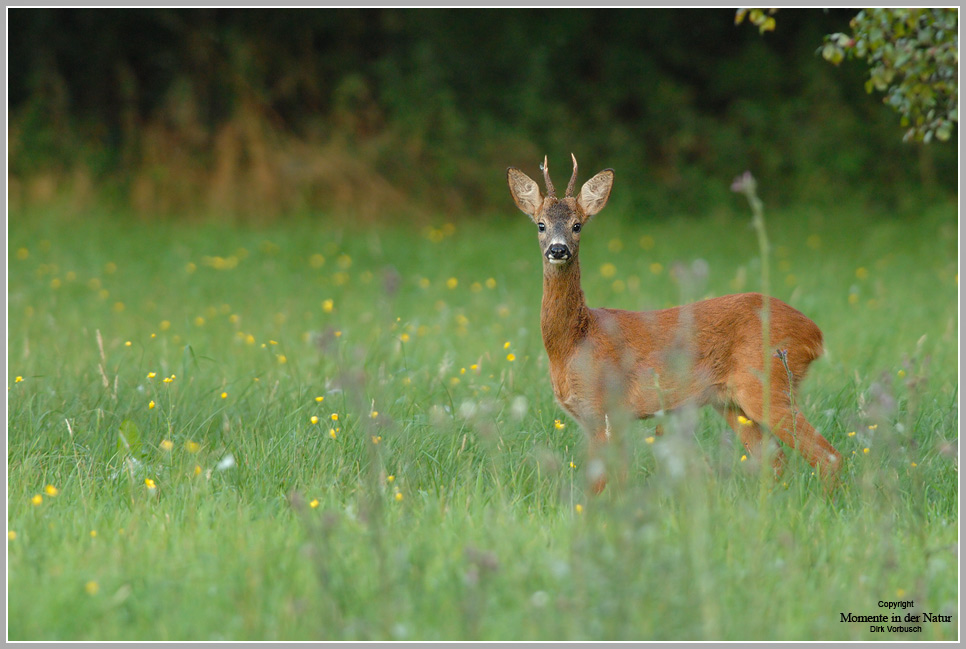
x,y
598,432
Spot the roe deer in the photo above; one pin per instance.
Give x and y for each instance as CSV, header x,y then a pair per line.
x,y
605,361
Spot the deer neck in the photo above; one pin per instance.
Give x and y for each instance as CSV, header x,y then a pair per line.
x,y
564,316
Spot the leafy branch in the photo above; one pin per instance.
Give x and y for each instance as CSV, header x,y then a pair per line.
x,y
913,57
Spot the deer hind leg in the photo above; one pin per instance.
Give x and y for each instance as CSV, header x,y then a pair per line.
x,y
749,432
789,425
795,430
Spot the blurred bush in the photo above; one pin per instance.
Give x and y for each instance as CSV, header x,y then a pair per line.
x,y
380,113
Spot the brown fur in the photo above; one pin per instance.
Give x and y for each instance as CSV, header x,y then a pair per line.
x,y
646,362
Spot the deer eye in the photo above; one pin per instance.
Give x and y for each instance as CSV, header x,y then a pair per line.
x,y
576,227
541,227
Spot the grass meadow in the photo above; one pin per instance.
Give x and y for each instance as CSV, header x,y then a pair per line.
x,y
322,430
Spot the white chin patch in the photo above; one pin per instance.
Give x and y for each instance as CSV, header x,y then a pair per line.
x,y
557,262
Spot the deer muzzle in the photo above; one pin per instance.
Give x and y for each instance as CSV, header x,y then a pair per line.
x,y
558,253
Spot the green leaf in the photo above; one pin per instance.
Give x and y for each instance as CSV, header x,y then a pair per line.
x,y
188,359
129,439
831,54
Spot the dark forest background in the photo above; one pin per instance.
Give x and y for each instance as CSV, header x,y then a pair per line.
x,y
258,114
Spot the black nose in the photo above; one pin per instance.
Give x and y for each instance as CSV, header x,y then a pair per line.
x,y
558,251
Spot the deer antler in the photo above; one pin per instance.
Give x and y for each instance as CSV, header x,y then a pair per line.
x,y
546,179
573,178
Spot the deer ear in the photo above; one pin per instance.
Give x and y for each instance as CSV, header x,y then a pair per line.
x,y
595,192
525,192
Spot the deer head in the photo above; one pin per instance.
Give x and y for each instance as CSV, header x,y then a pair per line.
x,y
559,220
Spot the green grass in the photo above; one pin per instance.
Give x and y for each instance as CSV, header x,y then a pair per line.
x,y
485,539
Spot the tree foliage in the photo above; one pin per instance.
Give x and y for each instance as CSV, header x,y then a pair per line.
x,y
913,56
